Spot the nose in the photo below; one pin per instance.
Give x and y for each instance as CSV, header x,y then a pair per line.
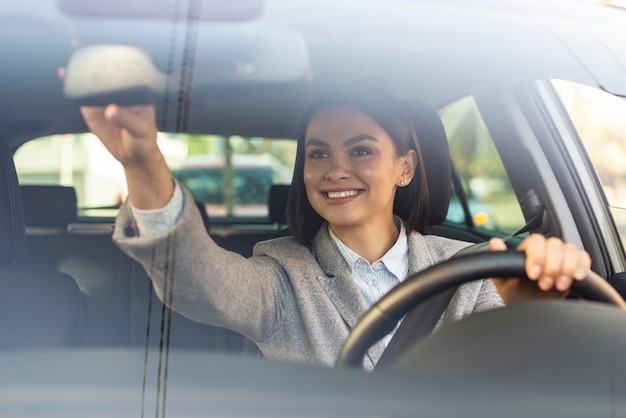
x,y
339,169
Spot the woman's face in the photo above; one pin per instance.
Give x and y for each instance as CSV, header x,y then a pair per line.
x,y
352,169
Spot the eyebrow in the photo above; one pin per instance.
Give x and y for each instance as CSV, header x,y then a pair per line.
x,y
350,141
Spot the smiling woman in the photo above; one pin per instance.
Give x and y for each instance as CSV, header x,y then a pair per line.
x,y
459,101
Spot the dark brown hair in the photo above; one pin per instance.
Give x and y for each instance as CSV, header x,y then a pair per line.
x,y
411,201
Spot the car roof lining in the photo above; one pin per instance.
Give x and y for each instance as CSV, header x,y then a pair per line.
x,y
337,53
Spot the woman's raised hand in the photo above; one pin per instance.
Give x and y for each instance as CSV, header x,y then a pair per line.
x,y
130,135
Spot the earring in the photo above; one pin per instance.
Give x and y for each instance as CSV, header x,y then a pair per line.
x,y
402,182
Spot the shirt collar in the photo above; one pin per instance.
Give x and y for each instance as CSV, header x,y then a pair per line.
x,y
395,260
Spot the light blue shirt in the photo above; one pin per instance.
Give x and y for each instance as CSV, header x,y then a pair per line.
x,y
379,277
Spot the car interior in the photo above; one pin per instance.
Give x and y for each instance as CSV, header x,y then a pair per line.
x,y
116,290
503,153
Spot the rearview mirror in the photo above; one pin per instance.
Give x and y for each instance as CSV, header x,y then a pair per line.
x,y
101,74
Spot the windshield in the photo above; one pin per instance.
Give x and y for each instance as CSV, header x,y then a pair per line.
x,y
209,195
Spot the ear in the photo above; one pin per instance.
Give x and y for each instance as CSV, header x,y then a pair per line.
x,y
409,164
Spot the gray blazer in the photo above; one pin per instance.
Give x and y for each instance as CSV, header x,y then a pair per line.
x,y
297,303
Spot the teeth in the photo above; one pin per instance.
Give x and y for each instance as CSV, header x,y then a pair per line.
x,y
338,195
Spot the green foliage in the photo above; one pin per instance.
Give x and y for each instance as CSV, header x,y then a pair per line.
x,y
198,144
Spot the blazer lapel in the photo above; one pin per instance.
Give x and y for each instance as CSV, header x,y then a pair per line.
x,y
338,282
340,286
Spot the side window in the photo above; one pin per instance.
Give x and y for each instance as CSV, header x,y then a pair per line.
x,y
481,174
80,161
600,121
230,175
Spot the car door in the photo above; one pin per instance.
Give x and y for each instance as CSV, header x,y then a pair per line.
x,y
542,151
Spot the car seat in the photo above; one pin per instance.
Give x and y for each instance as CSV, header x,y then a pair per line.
x,y
433,142
277,204
48,206
39,307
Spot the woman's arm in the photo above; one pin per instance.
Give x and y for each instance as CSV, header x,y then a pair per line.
x,y
204,282
190,272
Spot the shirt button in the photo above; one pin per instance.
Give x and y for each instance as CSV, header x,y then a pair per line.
x,y
129,231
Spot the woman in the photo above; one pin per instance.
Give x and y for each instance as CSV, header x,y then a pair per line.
x,y
298,297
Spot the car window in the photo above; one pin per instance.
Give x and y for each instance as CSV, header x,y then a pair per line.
x,y
80,161
600,121
488,193
230,175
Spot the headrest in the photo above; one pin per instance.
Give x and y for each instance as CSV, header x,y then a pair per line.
x,y
49,206
12,230
433,143
277,203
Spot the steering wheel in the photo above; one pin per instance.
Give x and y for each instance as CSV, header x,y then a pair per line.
x,y
383,316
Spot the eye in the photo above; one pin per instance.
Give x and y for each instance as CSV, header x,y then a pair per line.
x,y
318,154
360,151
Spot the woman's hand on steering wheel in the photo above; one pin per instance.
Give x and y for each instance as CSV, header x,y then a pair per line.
x,y
550,262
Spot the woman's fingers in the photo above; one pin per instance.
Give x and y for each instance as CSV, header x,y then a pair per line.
x,y
139,121
497,244
534,244
569,267
97,123
92,114
129,132
553,263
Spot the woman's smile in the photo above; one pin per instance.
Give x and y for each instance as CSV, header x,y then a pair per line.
x,y
341,196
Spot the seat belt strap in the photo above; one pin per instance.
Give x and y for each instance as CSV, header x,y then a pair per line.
x,y
417,324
